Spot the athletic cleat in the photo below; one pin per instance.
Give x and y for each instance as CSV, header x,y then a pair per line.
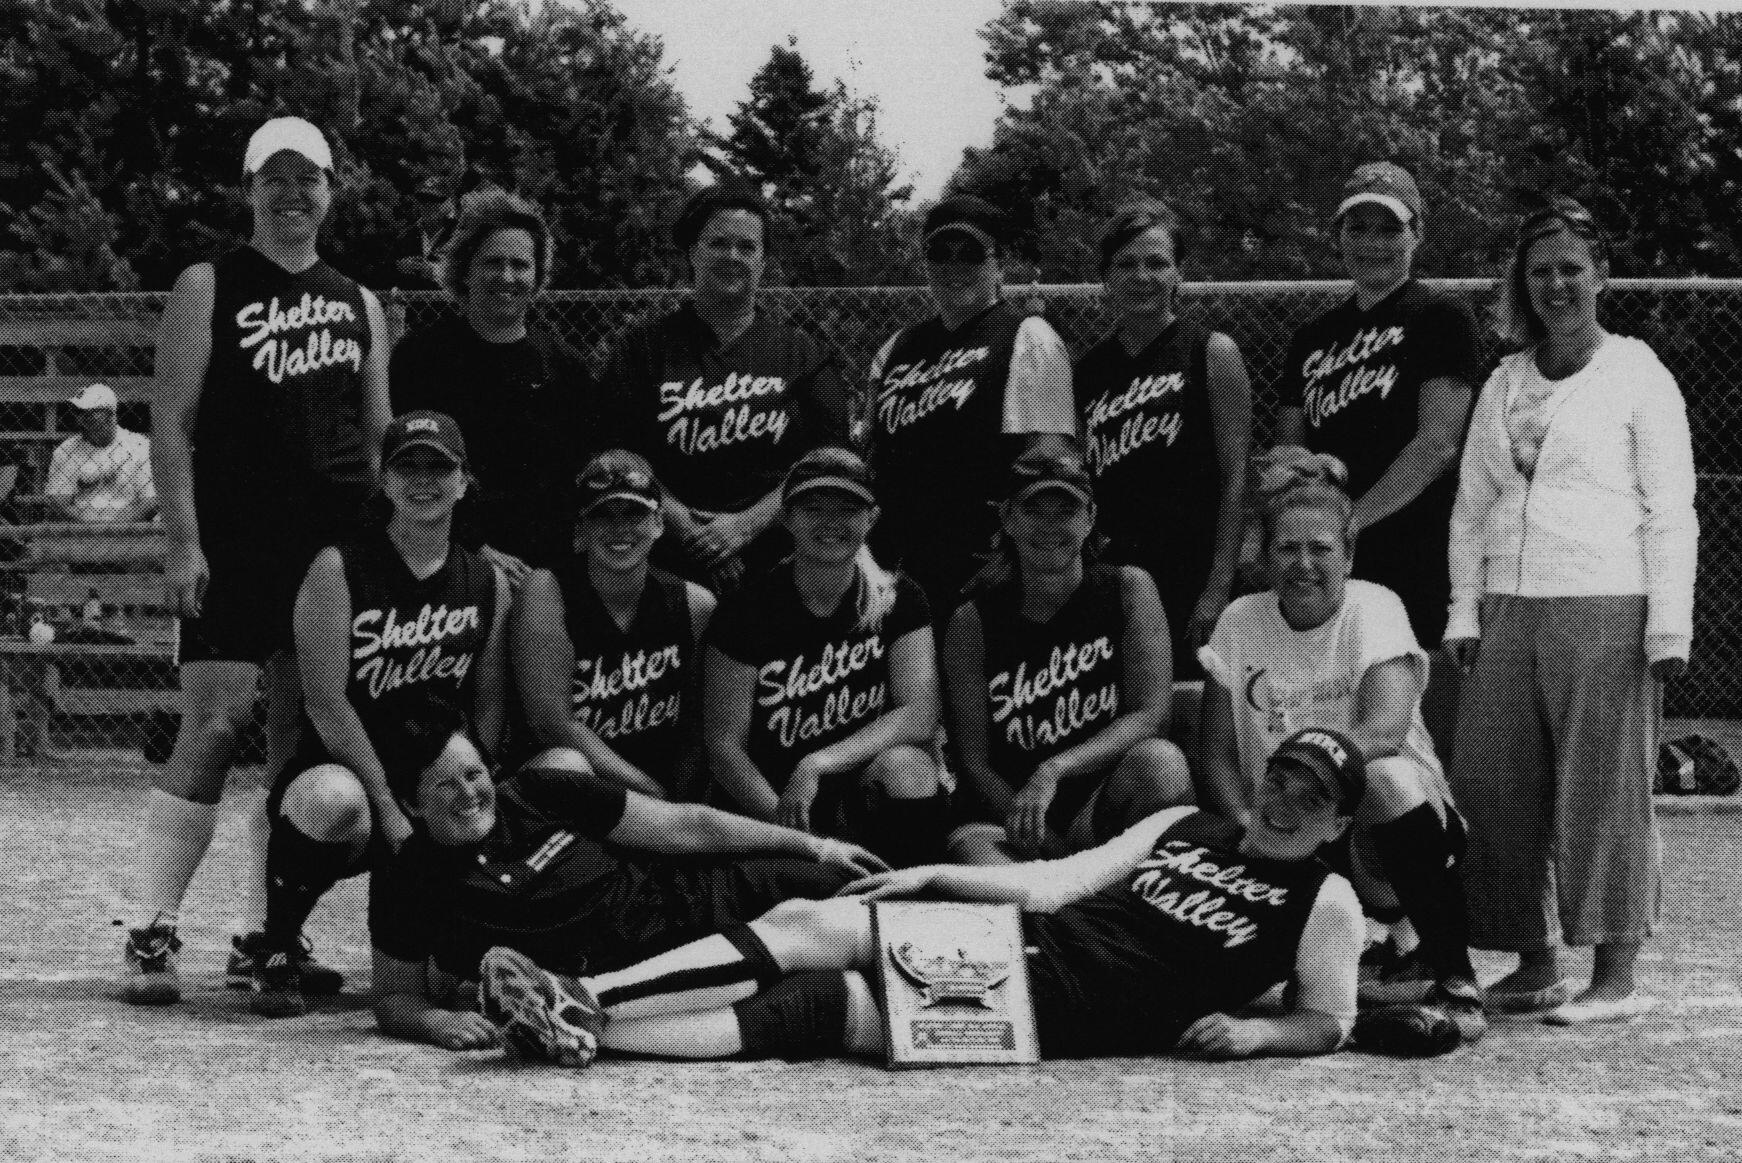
x,y
1465,1003
1390,979
247,952
149,957
541,1014
277,985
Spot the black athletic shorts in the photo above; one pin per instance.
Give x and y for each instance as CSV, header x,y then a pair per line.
x,y
703,896
1079,1013
256,571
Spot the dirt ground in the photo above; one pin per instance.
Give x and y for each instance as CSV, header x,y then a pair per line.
x,y
85,1077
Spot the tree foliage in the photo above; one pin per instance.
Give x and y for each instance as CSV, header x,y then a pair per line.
x,y
1248,118
836,191
122,124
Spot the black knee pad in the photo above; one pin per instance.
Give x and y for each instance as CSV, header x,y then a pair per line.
x,y
803,1017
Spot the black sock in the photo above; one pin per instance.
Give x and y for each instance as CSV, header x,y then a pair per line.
x,y
803,1017
299,871
1420,861
908,832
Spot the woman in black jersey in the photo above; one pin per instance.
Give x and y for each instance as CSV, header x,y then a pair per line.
x,y
1383,381
1149,943
721,397
821,679
1167,426
605,647
1060,681
384,624
522,395
954,397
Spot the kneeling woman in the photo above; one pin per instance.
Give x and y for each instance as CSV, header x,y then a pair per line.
x,y
821,681
1321,651
605,647
384,625
1060,681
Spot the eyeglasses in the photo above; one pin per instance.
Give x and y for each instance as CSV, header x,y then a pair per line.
x,y
955,250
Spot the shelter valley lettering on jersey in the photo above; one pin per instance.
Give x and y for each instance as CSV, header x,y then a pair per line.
x,y
1077,703
733,405
281,354
403,653
596,685
1138,421
811,700
912,391
1224,905
1322,400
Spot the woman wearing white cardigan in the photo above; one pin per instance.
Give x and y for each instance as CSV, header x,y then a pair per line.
x,y
1572,567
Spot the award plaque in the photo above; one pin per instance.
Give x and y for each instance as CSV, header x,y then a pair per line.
x,y
954,984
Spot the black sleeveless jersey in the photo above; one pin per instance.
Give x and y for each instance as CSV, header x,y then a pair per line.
x,y
1197,928
1051,685
818,680
1148,441
937,444
280,416
629,685
411,640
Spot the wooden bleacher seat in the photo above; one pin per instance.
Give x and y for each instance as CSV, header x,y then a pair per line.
x,y
62,566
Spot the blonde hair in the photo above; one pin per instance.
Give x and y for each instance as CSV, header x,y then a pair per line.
x,y
876,596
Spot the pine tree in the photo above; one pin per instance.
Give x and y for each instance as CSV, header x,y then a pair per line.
x,y
835,190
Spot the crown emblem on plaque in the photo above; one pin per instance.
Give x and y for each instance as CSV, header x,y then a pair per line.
x,y
954,963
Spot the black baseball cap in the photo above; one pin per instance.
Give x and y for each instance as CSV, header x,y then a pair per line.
x,y
617,475
436,430
1040,469
966,214
830,467
1334,758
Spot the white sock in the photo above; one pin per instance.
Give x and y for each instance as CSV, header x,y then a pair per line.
x,y
256,830
176,835
708,974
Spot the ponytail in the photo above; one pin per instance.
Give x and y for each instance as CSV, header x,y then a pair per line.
x,y
876,590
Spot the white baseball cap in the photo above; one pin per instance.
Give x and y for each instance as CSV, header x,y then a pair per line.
x,y
282,133
94,397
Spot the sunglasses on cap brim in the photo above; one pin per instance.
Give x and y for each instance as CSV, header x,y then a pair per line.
x,y
617,478
1575,218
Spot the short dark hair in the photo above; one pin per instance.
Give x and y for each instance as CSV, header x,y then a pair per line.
x,y
1518,319
421,738
708,201
1135,217
483,215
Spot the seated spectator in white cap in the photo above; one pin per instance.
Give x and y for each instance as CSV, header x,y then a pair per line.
x,y
104,473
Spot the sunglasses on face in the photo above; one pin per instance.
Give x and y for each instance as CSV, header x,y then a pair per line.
x,y
955,250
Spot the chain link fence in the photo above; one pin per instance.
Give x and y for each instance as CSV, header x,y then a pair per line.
x,y
87,646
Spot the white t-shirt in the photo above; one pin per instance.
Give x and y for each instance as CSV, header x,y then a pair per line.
x,y
1283,680
101,482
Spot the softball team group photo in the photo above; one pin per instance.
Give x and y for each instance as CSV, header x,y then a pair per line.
x,y
630,682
